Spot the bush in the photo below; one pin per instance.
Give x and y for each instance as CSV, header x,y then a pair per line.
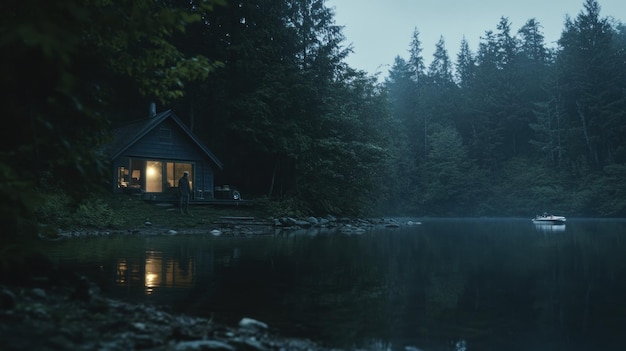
x,y
54,208
95,213
285,207
60,210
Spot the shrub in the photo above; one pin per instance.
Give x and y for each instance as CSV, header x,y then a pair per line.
x,y
55,208
95,213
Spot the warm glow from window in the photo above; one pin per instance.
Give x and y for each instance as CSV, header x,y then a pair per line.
x,y
154,177
152,280
174,171
122,270
154,264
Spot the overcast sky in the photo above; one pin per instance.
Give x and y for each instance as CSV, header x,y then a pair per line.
x,y
380,30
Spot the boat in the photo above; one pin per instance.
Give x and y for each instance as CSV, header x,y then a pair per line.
x,y
548,219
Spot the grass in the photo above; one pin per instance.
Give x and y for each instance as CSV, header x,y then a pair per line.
x,y
117,211
133,212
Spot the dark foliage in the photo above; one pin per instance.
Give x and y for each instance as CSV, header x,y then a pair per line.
x,y
512,129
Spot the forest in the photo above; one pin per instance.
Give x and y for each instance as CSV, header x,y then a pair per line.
x,y
511,128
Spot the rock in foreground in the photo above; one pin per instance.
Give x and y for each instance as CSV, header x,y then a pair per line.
x,y
58,319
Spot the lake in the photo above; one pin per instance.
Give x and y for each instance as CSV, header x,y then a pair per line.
x,y
447,284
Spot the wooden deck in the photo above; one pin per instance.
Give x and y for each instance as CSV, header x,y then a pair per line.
x,y
221,202
173,199
237,220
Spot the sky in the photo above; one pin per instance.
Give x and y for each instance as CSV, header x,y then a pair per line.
x,y
380,30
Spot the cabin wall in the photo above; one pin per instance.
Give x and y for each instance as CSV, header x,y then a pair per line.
x,y
167,143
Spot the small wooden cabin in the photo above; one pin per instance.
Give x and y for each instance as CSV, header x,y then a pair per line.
x,y
150,155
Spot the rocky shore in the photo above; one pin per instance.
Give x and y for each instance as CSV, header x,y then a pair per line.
x,y
80,318
242,226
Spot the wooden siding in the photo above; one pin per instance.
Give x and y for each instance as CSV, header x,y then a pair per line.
x,y
180,148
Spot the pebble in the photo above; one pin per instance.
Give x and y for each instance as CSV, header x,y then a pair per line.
x,y
122,326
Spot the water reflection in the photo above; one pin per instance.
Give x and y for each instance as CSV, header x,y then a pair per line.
x,y
550,227
442,285
122,271
157,270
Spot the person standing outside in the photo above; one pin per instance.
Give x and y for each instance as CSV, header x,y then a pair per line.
x,y
184,191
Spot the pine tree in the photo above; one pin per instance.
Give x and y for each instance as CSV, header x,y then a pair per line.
x,y
592,85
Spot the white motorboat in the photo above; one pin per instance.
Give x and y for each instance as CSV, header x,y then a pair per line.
x,y
548,219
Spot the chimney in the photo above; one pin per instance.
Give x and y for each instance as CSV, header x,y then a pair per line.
x,y
152,109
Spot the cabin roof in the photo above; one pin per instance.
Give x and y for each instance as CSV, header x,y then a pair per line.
x,y
126,136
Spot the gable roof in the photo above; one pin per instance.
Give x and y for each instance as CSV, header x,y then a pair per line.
x,y
126,136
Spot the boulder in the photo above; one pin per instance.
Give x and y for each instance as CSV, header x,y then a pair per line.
x,y
249,323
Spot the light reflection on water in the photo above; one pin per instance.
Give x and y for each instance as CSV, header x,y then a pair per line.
x,y
549,227
459,284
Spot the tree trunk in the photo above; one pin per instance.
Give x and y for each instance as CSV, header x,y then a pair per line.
x,y
586,133
273,179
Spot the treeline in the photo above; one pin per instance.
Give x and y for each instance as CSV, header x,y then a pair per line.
x,y
512,129
515,128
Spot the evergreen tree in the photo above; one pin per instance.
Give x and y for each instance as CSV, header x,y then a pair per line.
x,y
440,98
401,100
591,77
532,43
505,110
449,181
485,142
440,69
416,60
465,74
417,125
465,65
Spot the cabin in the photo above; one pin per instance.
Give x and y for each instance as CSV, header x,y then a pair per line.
x,y
148,157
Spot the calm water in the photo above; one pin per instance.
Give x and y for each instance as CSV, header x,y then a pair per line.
x,y
462,284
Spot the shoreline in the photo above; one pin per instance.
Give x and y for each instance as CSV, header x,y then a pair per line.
x,y
47,316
